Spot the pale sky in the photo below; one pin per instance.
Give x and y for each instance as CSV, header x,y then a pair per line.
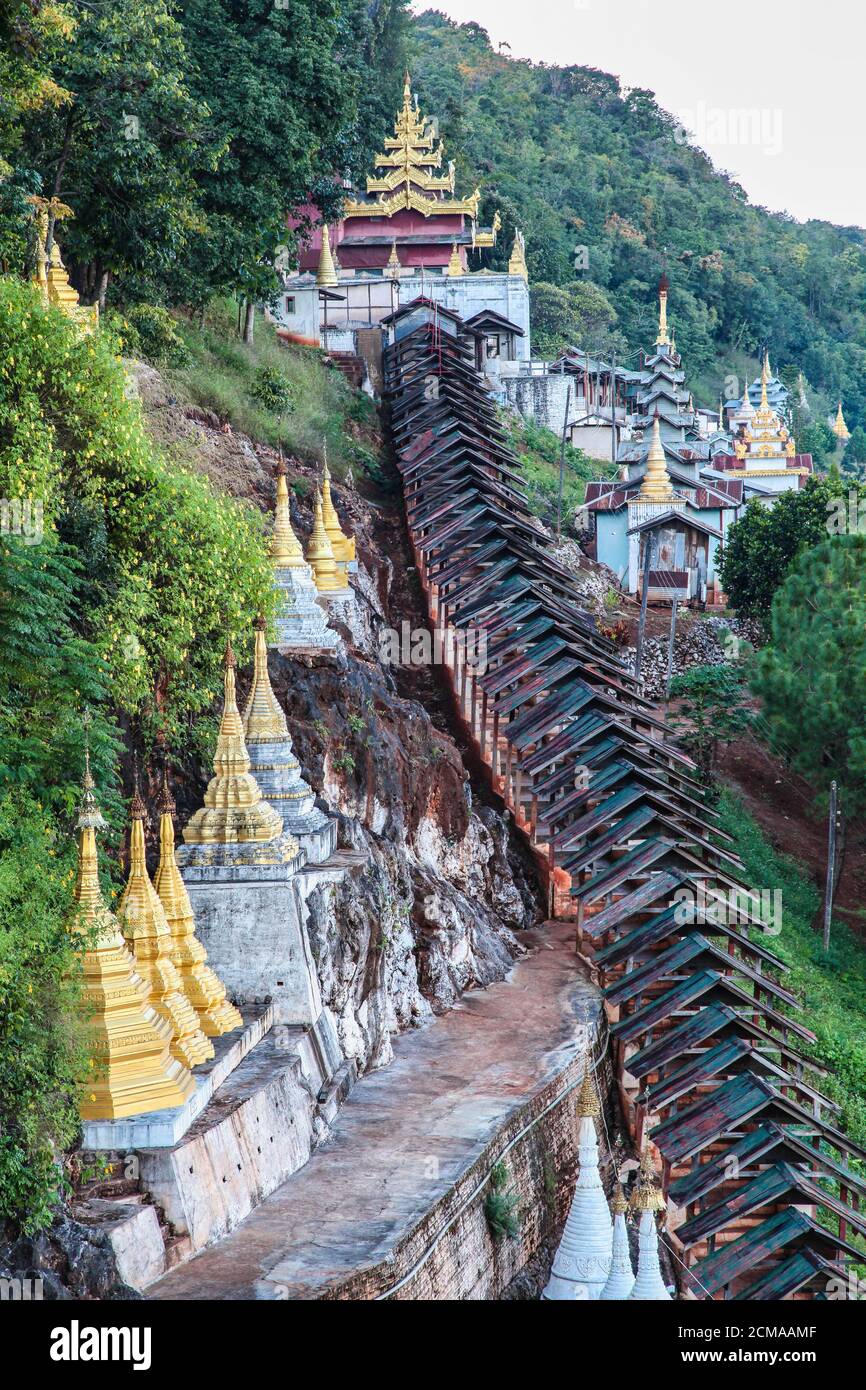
x,y
775,91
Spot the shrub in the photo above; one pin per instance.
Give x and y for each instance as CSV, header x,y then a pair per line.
x,y
43,1062
272,390
500,1206
153,334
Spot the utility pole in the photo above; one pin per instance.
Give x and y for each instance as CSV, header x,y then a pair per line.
x,y
562,465
613,409
831,866
647,563
671,644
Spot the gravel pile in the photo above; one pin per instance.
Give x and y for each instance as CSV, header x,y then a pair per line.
x,y
703,641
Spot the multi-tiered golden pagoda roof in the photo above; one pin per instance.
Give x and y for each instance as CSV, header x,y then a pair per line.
x,y
765,444
408,180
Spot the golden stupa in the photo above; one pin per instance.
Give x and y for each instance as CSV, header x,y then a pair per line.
x,y
656,485
286,550
619,1201
264,720
455,265
840,429
326,273
646,1194
588,1103
234,810
148,935
202,987
330,579
134,1072
51,274
342,545
517,261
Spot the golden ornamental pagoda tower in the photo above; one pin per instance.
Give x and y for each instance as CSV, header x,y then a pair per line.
x,y
656,485
134,1072
204,990
234,811
455,265
517,261
326,274
286,549
342,545
263,718
320,555
149,937
840,429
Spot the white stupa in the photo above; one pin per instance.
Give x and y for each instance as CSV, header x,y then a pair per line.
x,y
301,623
582,1262
620,1281
647,1199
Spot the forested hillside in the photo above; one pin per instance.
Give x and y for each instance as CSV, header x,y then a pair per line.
x,y
574,160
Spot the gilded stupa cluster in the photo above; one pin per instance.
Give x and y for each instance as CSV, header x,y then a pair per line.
x,y
51,276
152,1001
593,1260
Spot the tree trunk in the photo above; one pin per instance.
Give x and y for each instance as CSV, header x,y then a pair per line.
x,y
103,287
249,320
58,178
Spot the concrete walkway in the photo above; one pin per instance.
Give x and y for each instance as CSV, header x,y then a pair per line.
x,y
405,1135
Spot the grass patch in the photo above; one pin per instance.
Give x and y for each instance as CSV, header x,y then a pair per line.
x,y
538,450
306,406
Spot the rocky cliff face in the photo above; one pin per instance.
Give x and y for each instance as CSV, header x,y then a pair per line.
x,y
444,891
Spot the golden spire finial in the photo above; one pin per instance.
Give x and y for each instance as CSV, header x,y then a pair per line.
x,y
765,377
588,1104
342,545
234,811
662,339
148,935
619,1201
840,429
205,992
646,1193
326,274
656,484
320,554
517,263
263,719
286,552
455,265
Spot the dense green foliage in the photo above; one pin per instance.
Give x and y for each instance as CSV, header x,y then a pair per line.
x,y
762,545
172,567
811,678
577,162
42,1060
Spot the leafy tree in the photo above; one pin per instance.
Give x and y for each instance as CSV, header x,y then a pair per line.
x,y
764,542
31,37
855,450
181,567
811,678
580,313
816,439
125,148
288,87
713,710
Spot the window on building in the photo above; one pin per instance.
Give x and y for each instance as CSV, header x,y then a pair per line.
x,y
290,303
